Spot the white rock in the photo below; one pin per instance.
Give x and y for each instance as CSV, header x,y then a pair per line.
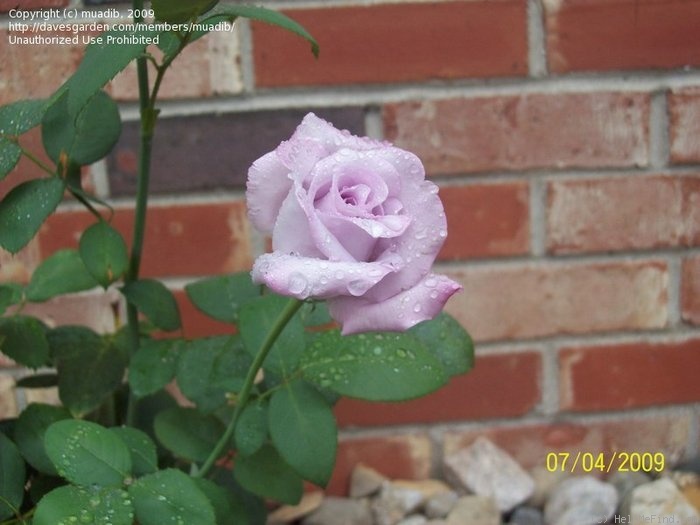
x,y
526,516
394,503
413,519
545,482
486,470
340,511
474,510
626,482
581,501
660,499
365,481
288,513
441,504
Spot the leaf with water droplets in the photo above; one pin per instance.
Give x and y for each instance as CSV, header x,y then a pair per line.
x,y
144,457
153,365
303,430
104,253
170,497
187,433
251,431
24,210
86,453
12,474
29,434
70,505
220,297
15,119
445,338
155,301
372,366
228,507
266,474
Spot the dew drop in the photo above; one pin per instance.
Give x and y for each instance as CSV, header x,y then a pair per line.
x,y
297,284
417,308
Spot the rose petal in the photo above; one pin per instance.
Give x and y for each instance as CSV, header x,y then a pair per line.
x,y
267,186
291,233
304,277
424,301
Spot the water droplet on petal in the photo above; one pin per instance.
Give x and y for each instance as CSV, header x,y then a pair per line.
x,y
417,308
298,285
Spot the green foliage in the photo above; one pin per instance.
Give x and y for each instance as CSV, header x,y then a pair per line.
x,y
211,368
87,454
85,505
29,434
16,119
257,318
221,297
84,135
10,294
104,253
448,342
170,496
376,366
12,474
153,365
155,301
251,430
227,506
90,367
63,272
303,430
144,458
187,433
24,210
24,340
266,474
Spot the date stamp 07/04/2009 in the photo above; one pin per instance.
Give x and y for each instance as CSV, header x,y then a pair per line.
x,y
615,461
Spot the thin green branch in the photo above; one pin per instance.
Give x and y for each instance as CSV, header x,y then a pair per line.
x,y
289,310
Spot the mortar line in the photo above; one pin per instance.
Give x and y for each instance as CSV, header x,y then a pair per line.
x,y
658,131
674,290
536,40
246,52
538,217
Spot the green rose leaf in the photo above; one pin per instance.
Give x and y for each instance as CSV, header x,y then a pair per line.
x,y
257,317
10,295
170,496
63,272
251,430
104,58
153,365
228,508
179,11
15,119
265,15
29,434
448,342
155,301
84,136
24,340
373,366
85,505
104,253
187,433
266,474
12,473
90,367
221,297
211,368
87,454
24,210
304,431
144,458
315,314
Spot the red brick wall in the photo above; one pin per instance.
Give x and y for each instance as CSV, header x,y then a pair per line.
x,y
565,136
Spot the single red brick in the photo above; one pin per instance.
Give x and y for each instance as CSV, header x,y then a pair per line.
x,y
407,456
395,43
182,239
527,300
486,220
518,132
476,395
195,323
35,71
529,444
622,213
684,124
595,35
690,290
629,375
8,5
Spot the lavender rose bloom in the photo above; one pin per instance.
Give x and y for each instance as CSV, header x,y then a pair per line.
x,y
353,221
